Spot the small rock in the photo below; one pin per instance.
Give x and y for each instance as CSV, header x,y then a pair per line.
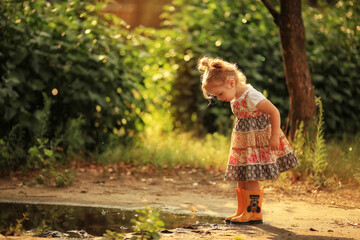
x,y
81,233
100,182
53,234
189,227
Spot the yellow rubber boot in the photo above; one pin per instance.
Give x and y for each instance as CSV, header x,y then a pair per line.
x,y
252,208
240,208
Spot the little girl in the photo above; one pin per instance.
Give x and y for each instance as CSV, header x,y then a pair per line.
x,y
259,149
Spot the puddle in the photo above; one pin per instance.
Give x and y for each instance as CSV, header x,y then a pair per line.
x,y
94,220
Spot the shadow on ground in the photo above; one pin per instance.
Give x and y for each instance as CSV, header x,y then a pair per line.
x,y
282,234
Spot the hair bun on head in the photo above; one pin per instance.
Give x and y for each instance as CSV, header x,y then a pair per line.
x,y
217,64
203,64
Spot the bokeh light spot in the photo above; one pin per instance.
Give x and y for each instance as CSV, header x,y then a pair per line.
x,y
54,92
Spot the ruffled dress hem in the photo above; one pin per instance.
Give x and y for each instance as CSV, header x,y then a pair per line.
x,y
258,172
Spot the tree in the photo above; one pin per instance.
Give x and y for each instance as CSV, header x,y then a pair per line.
x,y
297,73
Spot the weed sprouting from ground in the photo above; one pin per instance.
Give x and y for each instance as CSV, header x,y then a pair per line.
x,y
310,148
320,154
147,225
322,159
111,235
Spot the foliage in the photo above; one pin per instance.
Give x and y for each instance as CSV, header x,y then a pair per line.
x,y
344,157
243,32
334,58
357,175
18,229
309,146
169,150
111,235
320,157
238,238
148,224
335,158
52,176
86,67
159,68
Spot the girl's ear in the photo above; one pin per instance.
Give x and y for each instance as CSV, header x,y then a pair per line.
x,y
230,83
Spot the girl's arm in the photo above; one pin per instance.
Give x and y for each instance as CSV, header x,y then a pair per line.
x,y
267,107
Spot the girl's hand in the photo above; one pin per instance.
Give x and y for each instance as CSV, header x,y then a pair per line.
x,y
267,107
274,142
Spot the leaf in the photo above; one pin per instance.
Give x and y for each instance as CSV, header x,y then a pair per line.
x,y
21,54
9,113
33,151
37,85
12,81
45,34
35,63
193,209
49,152
108,73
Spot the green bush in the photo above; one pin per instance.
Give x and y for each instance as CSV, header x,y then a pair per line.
x,y
333,36
63,55
244,32
159,68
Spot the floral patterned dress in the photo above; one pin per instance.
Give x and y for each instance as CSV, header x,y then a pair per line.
x,y
250,155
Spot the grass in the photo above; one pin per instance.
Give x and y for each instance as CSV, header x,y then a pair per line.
x,y
168,150
172,149
344,157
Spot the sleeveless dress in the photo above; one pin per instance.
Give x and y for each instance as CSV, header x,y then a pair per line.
x,y
250,155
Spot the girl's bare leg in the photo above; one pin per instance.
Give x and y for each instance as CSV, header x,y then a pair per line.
x,y
241,185
252,185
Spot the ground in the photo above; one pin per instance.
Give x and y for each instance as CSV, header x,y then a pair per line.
x,y
292,209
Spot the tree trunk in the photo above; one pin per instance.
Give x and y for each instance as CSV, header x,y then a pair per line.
x,y
139,12
297,73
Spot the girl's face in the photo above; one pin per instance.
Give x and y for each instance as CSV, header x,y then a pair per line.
x,y
223,92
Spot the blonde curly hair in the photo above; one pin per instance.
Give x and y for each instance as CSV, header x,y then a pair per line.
x,y
217,71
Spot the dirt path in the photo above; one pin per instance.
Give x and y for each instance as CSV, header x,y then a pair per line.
x,y
290,211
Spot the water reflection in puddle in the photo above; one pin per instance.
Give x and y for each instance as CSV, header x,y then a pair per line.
x,y
94,220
